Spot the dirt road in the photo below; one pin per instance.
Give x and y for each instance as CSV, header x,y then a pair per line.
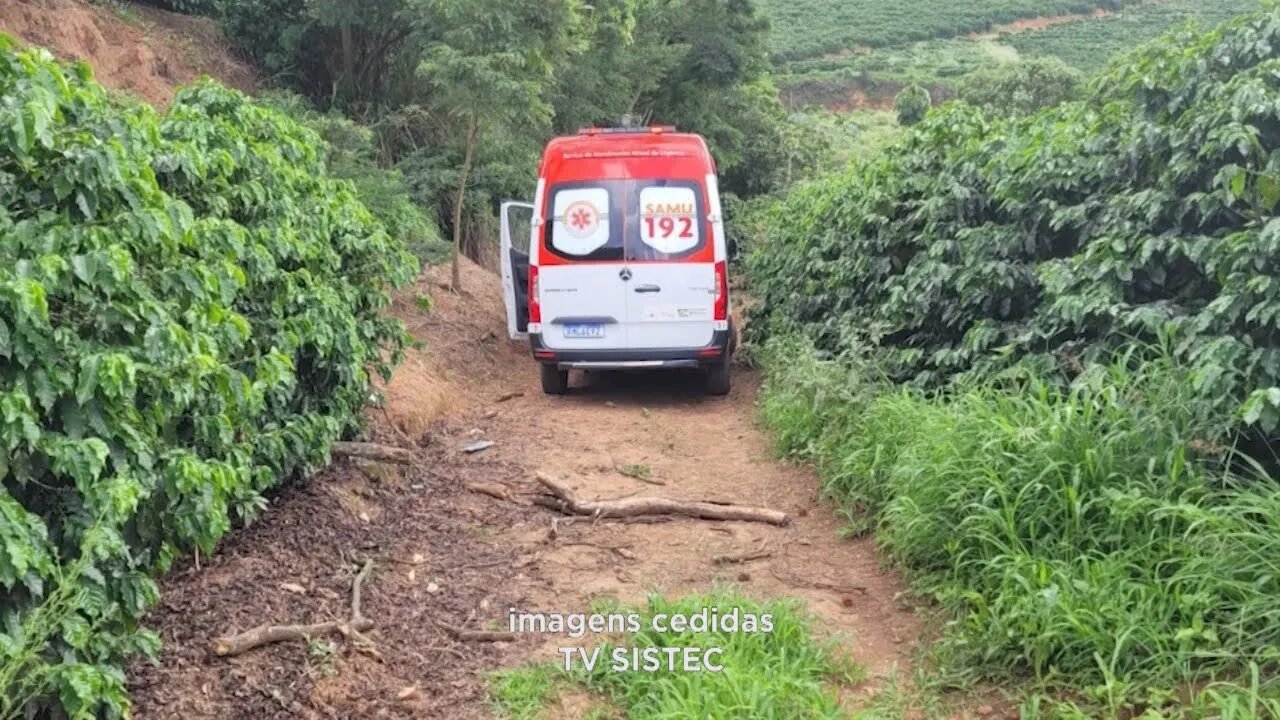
x,y
446,555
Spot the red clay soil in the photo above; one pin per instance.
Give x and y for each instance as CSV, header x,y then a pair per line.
x,y
1036,23
443,554
143,51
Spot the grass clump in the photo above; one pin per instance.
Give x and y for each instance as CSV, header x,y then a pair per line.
x,y
785,674
521,693
1098,540
637,471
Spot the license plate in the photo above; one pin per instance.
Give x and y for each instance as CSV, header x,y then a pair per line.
x,y
584,330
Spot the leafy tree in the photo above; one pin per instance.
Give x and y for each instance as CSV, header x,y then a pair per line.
x,y
912,104
334,51
190,7
622,59
1022,87
269,32
701,66
352,155
490,67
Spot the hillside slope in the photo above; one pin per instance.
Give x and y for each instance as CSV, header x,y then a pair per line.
x,y
142,51
878,47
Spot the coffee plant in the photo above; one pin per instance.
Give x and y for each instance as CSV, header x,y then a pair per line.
x,y
190,310
1147,213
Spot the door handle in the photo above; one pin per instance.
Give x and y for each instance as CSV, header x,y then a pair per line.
x,y
648,289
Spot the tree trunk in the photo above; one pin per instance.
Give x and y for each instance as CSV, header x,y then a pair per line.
x,y
473,127
348,83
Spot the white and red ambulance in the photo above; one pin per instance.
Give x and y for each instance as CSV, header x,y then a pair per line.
x,y
625,266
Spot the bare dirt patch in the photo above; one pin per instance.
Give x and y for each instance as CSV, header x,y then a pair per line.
x,y
139,50
860,100
445,554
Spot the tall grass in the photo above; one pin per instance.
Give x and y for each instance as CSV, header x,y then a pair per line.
x,y
1099,539
786,674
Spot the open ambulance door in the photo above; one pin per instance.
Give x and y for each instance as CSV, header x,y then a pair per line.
x,y
517,219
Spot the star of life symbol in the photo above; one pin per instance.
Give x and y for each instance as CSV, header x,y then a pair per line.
x,y
581,219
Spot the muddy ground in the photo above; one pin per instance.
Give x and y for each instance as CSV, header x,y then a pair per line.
x,y
444,555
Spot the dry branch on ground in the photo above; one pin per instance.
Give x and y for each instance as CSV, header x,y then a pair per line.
x,y
268,634
372,451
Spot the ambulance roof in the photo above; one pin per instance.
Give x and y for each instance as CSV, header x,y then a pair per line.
x,y
644,153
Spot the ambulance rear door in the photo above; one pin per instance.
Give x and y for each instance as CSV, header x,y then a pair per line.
x,y
516,231
582,278
670,251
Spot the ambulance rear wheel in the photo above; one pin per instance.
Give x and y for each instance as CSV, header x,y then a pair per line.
x,y
717,379
554,380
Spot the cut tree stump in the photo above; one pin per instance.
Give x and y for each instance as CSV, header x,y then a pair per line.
x,y
372,451
566,502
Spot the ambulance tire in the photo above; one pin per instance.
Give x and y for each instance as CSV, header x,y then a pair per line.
x,y
717,379
554,380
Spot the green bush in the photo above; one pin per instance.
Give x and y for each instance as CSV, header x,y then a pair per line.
x,y
911,105
189,312
1022,87
977,241
1092,539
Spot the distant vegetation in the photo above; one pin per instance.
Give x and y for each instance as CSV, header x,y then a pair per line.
x,y
880,73
809,28
1089,44
879,48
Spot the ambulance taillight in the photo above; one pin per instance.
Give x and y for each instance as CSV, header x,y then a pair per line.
x,y
535,309
722,291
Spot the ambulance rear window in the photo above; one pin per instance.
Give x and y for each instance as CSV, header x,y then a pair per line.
x,y
583,223
644,220
662,220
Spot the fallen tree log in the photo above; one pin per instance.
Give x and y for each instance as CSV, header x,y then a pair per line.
x,y
372,451
566,502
